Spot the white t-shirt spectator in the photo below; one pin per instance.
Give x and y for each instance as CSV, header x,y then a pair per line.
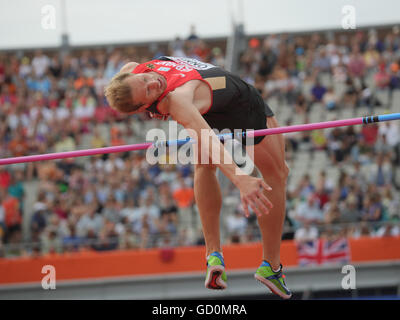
x,y
84,112
116,163
40,64
309,212
88,222
392,231
153,214
236,224
62,113
391,131
306,233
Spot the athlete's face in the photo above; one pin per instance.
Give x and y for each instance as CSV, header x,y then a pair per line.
x,y
146,88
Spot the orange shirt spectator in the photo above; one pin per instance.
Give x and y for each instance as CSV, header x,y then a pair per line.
x,y
12,215
116,137
18,147
83,81
184,196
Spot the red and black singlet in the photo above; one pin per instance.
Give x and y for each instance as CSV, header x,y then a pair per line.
x,y
235,103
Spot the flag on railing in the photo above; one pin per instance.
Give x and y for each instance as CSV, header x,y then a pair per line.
x,y
323,251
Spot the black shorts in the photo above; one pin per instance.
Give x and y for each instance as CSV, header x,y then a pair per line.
x,y
247,113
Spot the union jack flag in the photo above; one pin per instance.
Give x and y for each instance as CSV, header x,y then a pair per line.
x,y
323,251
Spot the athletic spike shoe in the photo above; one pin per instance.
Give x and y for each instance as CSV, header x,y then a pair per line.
x,y
273,280
216,276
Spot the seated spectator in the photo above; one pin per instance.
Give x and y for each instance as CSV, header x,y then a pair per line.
x,y
5,178
332,215
18,146
370,134
91,220
318,91
350,212
129,240
72,242
390,201
330,99
305,187
146,221
360,230
12,218
307,232
50,242
381,172
107,238
111,209
389,229
65,143
236,224
97,140
309,211
372,208
322,194
382,78
183,194
16,188
352,94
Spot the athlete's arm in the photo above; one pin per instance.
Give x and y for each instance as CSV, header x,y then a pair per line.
x,y
129,67
183,110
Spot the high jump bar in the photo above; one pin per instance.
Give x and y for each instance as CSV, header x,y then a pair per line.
x,y
249,133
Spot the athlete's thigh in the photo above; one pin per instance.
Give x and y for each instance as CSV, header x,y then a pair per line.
x,y
269,154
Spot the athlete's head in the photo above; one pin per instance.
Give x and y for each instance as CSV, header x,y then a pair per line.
x,y
133,93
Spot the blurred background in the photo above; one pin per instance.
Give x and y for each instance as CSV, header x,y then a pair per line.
x,y
116,227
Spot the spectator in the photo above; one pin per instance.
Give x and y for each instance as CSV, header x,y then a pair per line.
x,y
391,229
330,99
306,233
236,224
372,211
40,63
309,211
318,91
183,195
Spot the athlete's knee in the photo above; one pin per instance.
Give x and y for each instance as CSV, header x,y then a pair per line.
x,y
280,173
284,171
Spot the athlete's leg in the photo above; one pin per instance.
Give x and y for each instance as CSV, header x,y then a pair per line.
x,y
269,158
208,198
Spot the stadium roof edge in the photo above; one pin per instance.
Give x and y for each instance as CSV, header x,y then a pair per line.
x,y
216,38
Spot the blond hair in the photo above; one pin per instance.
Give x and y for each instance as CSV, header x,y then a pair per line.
x,y
119,94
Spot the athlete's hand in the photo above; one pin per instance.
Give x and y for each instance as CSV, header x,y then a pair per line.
x,y
252,194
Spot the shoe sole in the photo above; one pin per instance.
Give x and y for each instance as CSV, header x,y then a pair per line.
x,y
214,280
271,287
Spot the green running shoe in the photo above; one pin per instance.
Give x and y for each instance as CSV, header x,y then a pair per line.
x,y
216,276
273,280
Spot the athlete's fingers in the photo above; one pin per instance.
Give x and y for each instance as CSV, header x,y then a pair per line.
x,y
261,205
255,209
265,185
265,200
245,208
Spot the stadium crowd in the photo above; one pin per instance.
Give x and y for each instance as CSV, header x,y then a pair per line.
x,y
50,100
